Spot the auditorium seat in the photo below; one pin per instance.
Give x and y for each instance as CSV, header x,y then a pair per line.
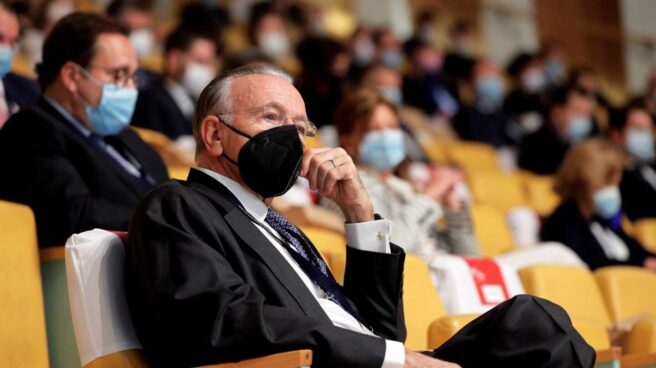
x,y
630,292
492,231
500,190
166,148
539,192
645,231
23,330
472,157
103,328
426,321
575,290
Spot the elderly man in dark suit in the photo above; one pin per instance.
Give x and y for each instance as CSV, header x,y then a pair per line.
x,y
16,92
70,156
214,274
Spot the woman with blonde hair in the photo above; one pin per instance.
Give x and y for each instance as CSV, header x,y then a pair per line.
x,y
588,219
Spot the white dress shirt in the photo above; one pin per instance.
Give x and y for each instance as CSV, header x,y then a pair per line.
x,y
370,236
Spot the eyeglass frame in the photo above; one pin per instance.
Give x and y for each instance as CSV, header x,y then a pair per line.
x,y
113,73
309,129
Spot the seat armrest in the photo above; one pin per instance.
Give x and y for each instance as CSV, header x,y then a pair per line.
x,y
290,359
639,360
608,355
445,327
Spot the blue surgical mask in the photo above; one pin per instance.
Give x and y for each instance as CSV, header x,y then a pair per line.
x,y
534,81
489,91
392,94
607,202
391,58
115,109
640,144
382,150
6,57
578,128
554,70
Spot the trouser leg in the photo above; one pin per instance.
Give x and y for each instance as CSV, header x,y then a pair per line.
x,y
524,331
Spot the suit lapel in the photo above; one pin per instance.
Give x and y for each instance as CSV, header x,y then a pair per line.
x,y
255,240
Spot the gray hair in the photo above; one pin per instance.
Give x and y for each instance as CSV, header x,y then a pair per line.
x,y
216,98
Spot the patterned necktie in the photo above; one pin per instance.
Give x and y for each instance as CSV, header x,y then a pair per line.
x,y
312,264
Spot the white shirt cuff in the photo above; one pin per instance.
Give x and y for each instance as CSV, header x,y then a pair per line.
x,y
394,354
370,236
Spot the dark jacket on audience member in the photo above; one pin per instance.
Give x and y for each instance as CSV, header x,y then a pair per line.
x,y
474,125
566,225
19,91
638,189
157,110
70,183
542,152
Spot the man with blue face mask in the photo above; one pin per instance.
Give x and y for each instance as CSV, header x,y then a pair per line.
x,y
15,91
569,121
484,120
168,106
632,129
70,156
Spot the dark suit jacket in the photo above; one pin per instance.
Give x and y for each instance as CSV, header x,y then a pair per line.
x,y
566,225
20,90
492,128
156,110
205,286
70,184
638,196
542,151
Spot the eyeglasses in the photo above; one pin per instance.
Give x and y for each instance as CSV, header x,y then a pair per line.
x,y
271,115
119,76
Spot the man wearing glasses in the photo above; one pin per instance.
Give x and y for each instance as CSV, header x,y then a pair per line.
x,y
214,274
70,157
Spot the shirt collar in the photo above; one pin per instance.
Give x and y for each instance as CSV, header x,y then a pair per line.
x,y
248,200
68,116
180,96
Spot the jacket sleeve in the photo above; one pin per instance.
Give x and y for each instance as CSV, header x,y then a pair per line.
x,y
191,307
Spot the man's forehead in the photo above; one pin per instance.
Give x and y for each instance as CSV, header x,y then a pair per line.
x,y
256,90
113,50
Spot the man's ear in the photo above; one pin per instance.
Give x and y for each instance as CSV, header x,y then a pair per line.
x,y
211,135
174,61
69,75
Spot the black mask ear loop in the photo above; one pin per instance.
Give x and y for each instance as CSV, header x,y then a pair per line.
x,y
238,132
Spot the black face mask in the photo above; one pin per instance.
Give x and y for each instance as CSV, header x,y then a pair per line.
x,y
270,162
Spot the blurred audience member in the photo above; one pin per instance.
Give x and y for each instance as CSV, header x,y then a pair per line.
x,y
425,26
423,85
388,48
16,92
267,31
412,121
460,56
554,61
569,121
206,17
325,63
650,95
525,103
586,79
138,17
48,12
70,156
168,105
368,129
363,53
632,129
484,120
589,218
